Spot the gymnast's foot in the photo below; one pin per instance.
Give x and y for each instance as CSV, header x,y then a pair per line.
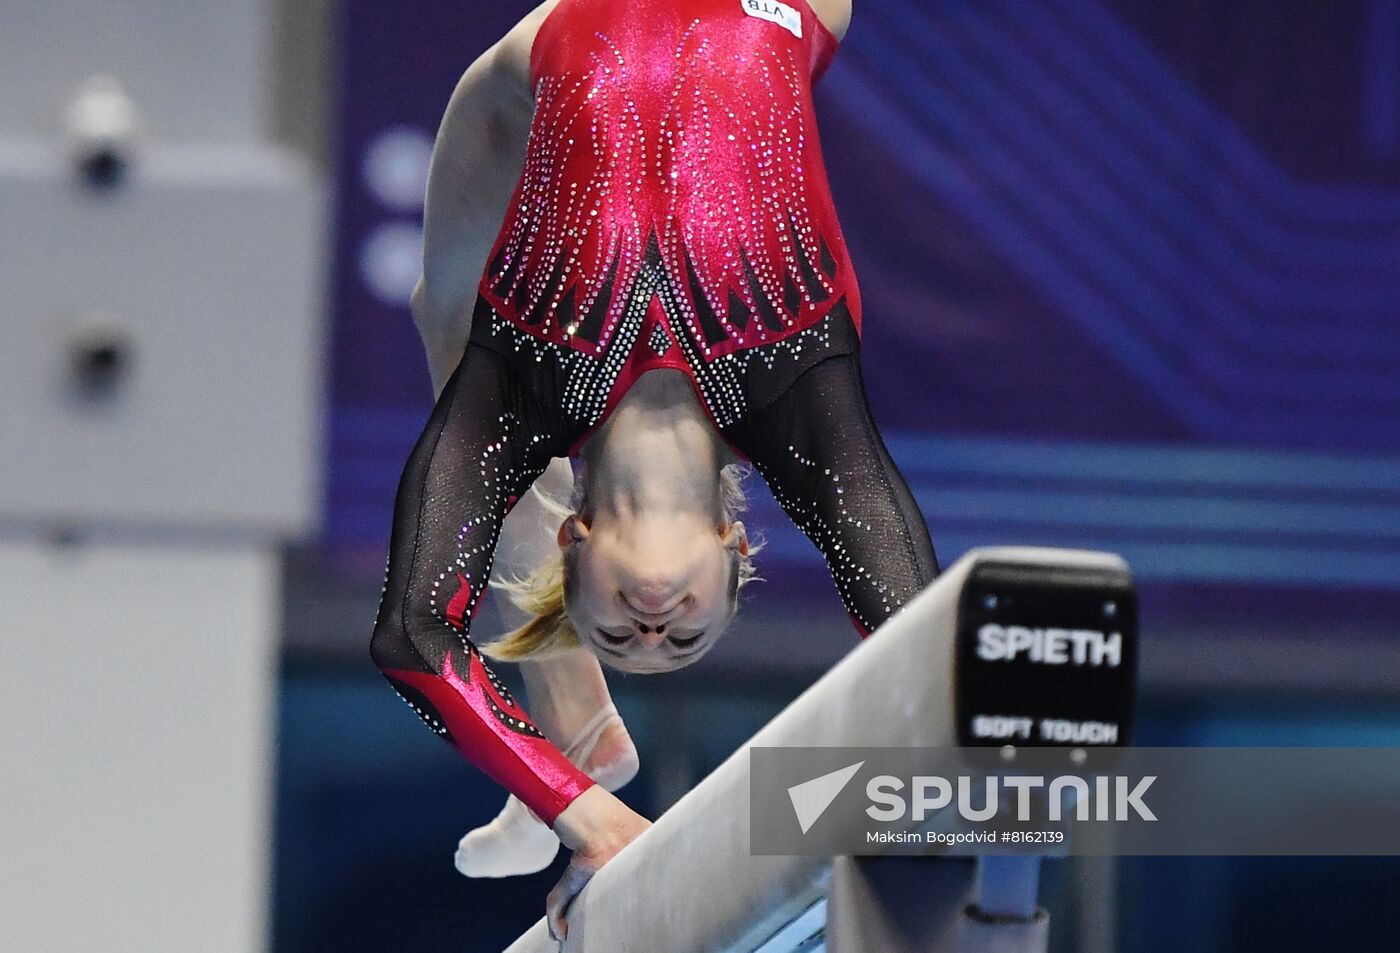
x,y
604,750
517,842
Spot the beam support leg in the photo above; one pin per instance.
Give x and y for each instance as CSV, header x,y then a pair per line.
x,y
920,905
897,904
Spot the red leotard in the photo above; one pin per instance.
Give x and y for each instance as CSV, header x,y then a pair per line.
x,y
674,208
673,212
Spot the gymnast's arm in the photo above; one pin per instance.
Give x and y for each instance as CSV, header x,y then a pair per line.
x,y
485,443
487,440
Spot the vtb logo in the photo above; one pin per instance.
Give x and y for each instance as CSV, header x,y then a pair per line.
x,y
775,12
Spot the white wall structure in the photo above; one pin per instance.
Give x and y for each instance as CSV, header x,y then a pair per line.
x,y
198,69
201,269
136,726
161,278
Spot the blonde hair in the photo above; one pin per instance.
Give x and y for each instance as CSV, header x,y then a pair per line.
x,y
543,594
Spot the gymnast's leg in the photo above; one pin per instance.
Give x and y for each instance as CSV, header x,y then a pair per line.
x,y
821,454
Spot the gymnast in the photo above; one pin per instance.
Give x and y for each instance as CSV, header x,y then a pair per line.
x,y
634,288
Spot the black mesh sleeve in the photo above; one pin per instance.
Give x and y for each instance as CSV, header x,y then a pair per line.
x,y
488,438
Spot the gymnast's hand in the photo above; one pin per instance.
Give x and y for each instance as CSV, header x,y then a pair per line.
x,y
595,827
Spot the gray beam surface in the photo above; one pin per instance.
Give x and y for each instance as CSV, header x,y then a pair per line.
x,y
689,883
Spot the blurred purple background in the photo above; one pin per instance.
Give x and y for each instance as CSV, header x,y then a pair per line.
x,y
1130,279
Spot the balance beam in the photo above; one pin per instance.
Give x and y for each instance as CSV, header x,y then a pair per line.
x,y
689,883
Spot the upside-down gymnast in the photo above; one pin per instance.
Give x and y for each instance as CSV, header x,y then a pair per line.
x,y
668,298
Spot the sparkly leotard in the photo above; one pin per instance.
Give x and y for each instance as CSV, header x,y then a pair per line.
x,y
674,209
673,212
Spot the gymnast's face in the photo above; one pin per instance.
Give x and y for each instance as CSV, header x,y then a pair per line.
x,y
651,593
